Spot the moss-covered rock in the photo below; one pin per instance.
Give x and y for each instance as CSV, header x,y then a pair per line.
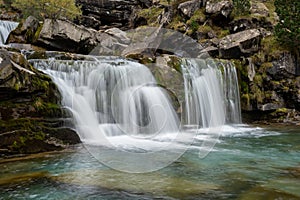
x,y
27,32
30,114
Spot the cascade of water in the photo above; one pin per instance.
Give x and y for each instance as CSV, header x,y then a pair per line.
x,y
113,96
5,28
203,94
231,93
211,93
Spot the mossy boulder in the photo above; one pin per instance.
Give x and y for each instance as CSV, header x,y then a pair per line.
x,y
27,31
30,114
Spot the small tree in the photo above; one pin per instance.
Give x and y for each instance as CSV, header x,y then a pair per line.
x,y
287,30
53,9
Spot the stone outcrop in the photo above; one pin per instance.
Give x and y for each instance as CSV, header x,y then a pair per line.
x,y
240,44
26,32
109,13
219,8
272,92
189,7
67,36
30,114
62,35
259,9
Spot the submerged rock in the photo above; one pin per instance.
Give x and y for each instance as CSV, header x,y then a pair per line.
x,y
153,183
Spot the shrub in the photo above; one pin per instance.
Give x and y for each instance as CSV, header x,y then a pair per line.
x,y
287,30
241,7
53,9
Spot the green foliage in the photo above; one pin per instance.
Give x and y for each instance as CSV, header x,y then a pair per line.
x,y
151,15
241,7
287,30
48,8
194,25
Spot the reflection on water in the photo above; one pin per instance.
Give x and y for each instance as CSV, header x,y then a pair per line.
x,y
246,163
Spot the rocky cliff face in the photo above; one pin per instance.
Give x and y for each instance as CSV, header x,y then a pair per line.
x,y
108,13
30,114
268,75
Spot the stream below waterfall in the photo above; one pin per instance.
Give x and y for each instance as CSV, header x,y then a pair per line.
x,y
246,163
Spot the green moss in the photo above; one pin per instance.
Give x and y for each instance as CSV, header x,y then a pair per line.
x,y
282,110
175,63
271,49
241,8
37,33
258,79
177,24
223,33
47,109
24,140
285,89
17,86
242,75
256,94
194,25
204,29
267,65
151,15
245,100
272,16
198,17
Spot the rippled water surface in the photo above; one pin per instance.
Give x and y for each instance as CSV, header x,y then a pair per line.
x,y
246,163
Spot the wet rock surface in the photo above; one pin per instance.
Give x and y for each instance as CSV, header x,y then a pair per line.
x,y
31,119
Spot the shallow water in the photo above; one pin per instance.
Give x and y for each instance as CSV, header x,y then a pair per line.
x,y
246,163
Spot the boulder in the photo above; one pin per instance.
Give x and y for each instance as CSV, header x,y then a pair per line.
x,y
26,32
242,24
284,67
219,8
110,13
239,44
111,42
30,114
189,7
63,35
67,36
259,9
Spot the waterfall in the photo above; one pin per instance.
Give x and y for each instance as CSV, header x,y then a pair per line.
x,y
117,104
112,97
5,28
231,93
211,93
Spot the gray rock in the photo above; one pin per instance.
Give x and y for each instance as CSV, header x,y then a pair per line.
x,y
223,8
25,32
211,50
30,116
241,43
269,106
189,7
69,37
66,36
259,9
112,13
284,67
